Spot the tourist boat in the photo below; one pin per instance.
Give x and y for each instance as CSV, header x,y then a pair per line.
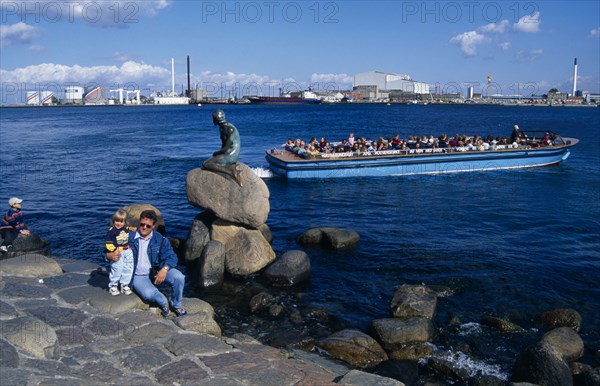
x,y
420,161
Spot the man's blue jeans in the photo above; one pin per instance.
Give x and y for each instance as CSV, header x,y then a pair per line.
x,y
144,287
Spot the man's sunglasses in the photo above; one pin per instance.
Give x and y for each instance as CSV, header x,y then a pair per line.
x,y
146,226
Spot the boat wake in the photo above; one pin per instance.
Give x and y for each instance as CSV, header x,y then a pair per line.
x,y
263,172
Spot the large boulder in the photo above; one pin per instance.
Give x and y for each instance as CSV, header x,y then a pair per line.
x,y
212,264
541,364
353,347
394,333
198,237
566,341
247,204
413,300
30,243
247,253
133,216
334,238
291,268
562,317
224,231
30,264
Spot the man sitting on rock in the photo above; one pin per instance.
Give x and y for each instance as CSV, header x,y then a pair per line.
x,y
154,263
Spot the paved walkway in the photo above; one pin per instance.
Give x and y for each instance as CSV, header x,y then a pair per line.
x,y
59,326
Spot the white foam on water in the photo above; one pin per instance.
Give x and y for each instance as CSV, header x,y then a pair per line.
x,y
472,366
470,329
263,172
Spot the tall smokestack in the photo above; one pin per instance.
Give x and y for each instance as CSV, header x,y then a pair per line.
x,y
172,77
188,92
575,77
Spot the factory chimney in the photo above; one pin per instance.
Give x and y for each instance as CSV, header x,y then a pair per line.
x,y
189,90
172,77
575,77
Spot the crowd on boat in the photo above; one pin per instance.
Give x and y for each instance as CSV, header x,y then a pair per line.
x,y
360,145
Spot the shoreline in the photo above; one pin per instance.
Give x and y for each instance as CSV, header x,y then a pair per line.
x,y
59,324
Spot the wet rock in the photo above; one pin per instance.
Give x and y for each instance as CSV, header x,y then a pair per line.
x,y
447,369
589,377
247,204
260,301
357,377
412,352
30,335
30,264
413,300
276,310
353,347
566,341
133,216
247,253
501,324
198,237
564,317
334,238
291,268
485,380
394,333
543,365
212,264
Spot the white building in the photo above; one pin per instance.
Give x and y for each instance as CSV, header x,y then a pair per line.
x,y
386,81
39,98
73,95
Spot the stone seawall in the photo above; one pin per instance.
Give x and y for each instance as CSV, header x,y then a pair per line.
x,y
59,326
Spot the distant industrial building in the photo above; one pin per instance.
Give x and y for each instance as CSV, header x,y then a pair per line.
x,y
94,96
73,95
40,98
377,85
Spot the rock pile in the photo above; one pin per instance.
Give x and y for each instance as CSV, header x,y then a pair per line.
x,y
230,235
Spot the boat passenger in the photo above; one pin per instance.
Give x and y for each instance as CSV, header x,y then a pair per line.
x,y
351,139
373,147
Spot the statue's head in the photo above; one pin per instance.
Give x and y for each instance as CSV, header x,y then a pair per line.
x,y
218,116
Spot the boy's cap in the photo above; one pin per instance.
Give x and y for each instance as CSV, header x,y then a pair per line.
x,y
14,200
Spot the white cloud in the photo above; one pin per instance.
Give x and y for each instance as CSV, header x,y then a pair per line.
x,y
468,42
102,13
529,23
332,81
595,33
504,46
500,27
529,56
19,33
134,73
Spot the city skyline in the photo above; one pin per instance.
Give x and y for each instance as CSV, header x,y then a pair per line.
x,y
248,47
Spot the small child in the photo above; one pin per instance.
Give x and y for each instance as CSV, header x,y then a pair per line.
x,y
117,239
12,224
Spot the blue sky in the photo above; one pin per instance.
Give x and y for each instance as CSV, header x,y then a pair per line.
x,y
258,46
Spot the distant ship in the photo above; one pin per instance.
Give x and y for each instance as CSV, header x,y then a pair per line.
x,y
293,98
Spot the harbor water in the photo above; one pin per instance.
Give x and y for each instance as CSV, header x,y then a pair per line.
x,y
510,244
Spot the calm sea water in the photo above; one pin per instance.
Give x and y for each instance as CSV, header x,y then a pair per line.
x,y
510,244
